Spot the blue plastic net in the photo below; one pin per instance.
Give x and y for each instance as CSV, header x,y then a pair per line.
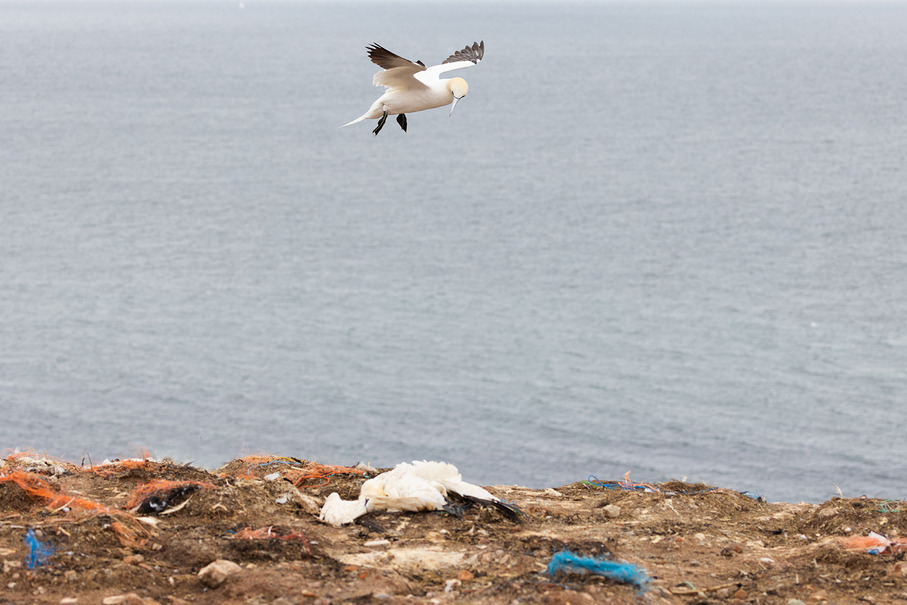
x,y
38,552
566,561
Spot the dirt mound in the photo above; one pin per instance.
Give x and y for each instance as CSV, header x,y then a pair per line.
x,y
141,531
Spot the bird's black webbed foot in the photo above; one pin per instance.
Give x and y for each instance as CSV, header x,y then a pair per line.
x,y
380,124
401,120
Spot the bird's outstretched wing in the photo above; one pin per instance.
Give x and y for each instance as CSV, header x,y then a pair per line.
x,y
397,72
468,57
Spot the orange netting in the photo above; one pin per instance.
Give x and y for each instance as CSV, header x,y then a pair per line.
x,y
104,470
295,470
40,488
250,463
325,472
145,491
144,461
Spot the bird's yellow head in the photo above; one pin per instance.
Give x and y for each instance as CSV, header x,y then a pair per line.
x,y
458,88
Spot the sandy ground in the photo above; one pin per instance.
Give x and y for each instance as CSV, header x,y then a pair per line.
x,y
110,534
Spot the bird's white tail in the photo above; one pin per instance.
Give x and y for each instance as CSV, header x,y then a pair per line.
x,y
357,120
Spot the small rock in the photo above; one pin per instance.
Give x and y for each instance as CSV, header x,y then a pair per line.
x,y
214,574
612,510
70,575
899,569
8,565
133,559
740,594
465,575
828,512
69,601
123,599
795,602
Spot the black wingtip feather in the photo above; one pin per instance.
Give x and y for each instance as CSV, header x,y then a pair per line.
x,y
511,511
472,53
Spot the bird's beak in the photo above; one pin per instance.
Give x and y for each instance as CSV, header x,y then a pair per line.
x,y
454,104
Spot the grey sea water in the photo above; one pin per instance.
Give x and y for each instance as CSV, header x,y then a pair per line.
x,y
663,237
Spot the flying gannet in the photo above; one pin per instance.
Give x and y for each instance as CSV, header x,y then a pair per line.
x,y
413,87
420,486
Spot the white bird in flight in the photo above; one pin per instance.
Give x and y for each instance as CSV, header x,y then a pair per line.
x,y
413,87
410,487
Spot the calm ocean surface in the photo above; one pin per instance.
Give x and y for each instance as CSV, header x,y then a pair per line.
x,y
659,237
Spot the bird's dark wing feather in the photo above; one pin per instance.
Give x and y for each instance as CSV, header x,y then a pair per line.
x,y
511,511
385,59
472,53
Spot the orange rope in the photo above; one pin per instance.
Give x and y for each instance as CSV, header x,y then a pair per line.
x,y
40,488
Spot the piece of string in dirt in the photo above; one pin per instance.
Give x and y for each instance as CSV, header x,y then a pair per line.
x,y
626,484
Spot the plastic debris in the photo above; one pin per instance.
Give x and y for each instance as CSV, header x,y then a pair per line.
x,y
38,552
110,467
566,561
38,487
875,544
299,472
157,496
626,484
42,464
886,507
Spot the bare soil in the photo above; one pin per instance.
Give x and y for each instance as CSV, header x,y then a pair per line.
x,y
114,540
